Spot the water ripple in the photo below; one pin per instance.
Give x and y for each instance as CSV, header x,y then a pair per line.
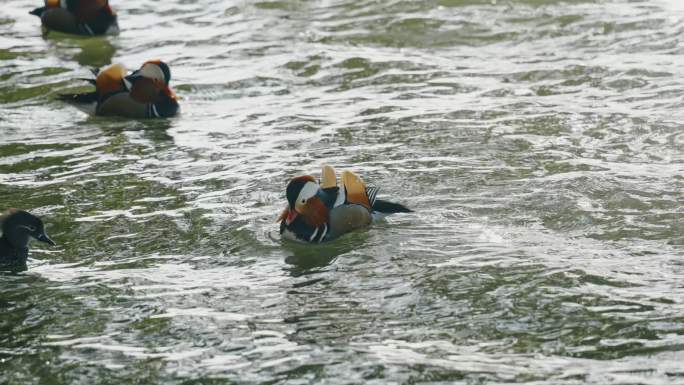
x,y
539,143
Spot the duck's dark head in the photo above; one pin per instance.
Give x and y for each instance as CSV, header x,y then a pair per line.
x,y
19,226
302,199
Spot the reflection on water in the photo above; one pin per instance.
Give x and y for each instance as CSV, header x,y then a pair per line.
x,y
95,53
304,257
540,143
92,52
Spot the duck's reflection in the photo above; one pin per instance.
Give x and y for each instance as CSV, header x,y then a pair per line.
x,y
304,260
308,258
95,52
90,51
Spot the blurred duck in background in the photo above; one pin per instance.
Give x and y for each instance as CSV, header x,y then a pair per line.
x,y
80,17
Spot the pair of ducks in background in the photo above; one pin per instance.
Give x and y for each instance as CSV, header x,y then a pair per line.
x,y
145,93
316,211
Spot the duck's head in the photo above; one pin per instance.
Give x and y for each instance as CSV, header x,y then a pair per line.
x,y
19,226
302,199
154,72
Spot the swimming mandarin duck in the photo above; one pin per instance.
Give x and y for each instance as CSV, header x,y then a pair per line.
x,y
145,93
81,17
18,227
318,212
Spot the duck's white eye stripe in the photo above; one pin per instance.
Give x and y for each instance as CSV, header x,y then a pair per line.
x,y
29,228
311,238
309,190
152,71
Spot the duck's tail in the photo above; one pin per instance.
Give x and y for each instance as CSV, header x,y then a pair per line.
x,y
86,102
82,98
386,207
38,11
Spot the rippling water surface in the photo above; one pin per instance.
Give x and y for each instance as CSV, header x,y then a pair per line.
x,y
540,142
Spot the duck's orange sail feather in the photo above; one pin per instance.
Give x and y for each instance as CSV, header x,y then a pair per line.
x,y
109,79
356,189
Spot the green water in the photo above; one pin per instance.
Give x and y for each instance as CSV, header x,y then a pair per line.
x,y
540,142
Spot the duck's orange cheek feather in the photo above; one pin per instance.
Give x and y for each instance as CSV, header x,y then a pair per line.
x,y
315,213
169,92
145,91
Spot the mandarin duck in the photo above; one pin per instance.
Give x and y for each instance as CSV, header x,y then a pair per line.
x,y
81,17
318,212
18,227
144,93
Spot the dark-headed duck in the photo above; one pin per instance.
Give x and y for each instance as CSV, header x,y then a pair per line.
x,y
18,227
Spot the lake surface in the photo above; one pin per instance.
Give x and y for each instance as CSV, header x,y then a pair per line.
x,y
540,142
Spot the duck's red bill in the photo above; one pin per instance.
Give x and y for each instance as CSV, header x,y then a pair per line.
x,y
291,215
169,92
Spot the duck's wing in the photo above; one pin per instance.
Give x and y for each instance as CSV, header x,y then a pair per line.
x,y
328,177
358,193
111,79
355,190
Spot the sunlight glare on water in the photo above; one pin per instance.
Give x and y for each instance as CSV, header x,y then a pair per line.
x,y
540,143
